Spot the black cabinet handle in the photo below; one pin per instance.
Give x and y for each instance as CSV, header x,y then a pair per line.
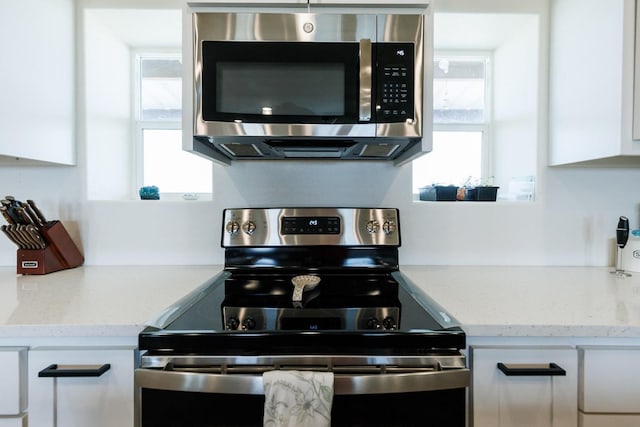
x,y
58,372
550,369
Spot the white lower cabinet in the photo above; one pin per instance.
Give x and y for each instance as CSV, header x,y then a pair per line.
x,y
81,386
20,421
608,420
517,386
609,391
13,386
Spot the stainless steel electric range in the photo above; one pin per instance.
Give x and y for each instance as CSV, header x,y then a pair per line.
x,y
305,289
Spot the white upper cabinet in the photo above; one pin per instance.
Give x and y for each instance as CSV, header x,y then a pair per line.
x,y
592,57
37,108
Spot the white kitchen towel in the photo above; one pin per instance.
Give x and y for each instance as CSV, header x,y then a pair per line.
x,y
297,398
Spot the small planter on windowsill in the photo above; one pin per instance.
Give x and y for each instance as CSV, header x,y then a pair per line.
x,y
439,193
482,193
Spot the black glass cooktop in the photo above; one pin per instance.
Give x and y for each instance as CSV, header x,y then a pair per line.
x,y
335,317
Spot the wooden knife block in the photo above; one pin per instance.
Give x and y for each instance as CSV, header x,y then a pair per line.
x,y
60,253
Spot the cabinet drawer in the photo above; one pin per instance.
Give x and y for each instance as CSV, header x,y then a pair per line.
x,y
13,386
609,420
81,386
518,386
19,421
610,380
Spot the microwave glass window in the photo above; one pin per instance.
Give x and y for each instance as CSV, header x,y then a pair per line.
x,y
280,89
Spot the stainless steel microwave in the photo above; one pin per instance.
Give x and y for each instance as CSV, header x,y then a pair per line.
x,y
308,86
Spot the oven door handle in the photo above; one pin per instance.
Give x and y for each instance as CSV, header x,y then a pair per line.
x,y
344,384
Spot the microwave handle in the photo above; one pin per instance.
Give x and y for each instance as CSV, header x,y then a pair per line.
x,y
365,80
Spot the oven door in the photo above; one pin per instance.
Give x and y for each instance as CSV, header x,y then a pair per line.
x,y
363,396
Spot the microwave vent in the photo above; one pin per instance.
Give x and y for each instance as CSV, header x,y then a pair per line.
x,y
242,150
378,150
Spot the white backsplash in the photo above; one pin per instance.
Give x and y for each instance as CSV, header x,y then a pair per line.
x,y
571,222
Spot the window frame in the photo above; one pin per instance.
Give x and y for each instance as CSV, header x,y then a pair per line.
x,y
139,125
486,160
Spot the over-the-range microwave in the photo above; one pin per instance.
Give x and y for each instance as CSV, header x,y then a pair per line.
x,y
309,86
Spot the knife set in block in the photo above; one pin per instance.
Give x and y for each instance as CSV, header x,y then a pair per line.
x,y
43,246
59,253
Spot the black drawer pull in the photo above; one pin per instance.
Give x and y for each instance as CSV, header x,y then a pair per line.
x,y
550,369
56,371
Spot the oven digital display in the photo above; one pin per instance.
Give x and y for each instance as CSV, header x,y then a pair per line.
x,y
310,225
309,323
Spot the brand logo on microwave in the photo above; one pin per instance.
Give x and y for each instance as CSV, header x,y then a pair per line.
x,y
400,52
636,254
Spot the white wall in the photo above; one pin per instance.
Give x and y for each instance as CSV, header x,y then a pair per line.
x,y
516,103
572,221
107,110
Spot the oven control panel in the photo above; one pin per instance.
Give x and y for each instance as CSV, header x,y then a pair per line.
x,y
252,227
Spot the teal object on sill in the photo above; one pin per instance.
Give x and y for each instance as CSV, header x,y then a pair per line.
x,y
149,193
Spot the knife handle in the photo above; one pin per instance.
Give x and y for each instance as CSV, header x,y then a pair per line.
x,y
24,216
37,211
30,214
5,230
5,214
18,238
622,232
36,236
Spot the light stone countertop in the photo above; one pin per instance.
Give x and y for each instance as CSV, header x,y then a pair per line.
x,y
534,301
92,300
487,300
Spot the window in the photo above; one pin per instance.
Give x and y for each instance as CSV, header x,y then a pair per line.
x,y
161,160
461,123
488,83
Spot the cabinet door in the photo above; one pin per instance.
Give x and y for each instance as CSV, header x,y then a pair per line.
x,y
13,381
609,420
610,380
20,421
590,105
532,391
79,387
636,79
37,84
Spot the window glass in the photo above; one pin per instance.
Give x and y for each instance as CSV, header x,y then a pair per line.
x,y
459,90
455,159
170,168
164,163
160,89
461,121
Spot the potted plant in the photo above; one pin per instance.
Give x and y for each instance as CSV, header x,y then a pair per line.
x,y
439,192
484,192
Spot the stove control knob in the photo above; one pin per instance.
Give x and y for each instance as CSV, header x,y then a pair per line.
x,y
373,323
249,227
373,226
248,323
389,322
233,323
389,226
232,227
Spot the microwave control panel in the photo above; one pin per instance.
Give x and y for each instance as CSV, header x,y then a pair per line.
x,y
395,87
